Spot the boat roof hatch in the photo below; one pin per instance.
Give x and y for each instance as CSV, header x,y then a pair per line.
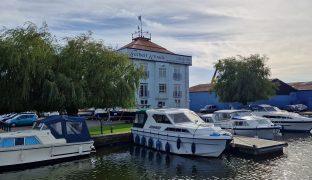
x,y
72,129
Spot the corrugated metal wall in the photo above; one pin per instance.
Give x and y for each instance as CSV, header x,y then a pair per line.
x,y
200,99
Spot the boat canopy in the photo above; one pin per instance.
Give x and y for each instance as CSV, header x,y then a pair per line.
x,y
73,129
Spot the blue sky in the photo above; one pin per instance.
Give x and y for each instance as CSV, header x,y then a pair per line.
x,y
208,30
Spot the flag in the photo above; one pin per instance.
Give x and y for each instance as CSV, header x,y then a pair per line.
x,y
139,18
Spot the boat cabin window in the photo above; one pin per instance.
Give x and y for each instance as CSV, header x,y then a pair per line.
x,y
32,140
140,119
19,141
208,119
276,117
177,130
7,142
223,116
57,127
240,123
179,118
161,118
73,127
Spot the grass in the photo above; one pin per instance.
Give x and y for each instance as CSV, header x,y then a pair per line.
x,y
117,128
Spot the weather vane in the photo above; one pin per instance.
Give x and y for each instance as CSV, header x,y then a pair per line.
x,y
140,33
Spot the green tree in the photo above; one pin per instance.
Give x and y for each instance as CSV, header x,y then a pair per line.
x,y
95,76
26,56
243,79
37,73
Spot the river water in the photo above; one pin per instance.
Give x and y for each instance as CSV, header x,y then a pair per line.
x,y
124,162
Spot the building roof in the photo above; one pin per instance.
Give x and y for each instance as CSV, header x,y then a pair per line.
x,y
302,85
146,44
200,88
283,88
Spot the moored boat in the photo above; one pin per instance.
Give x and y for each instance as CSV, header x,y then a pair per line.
x,y
52,139
179,131
289,121
244,123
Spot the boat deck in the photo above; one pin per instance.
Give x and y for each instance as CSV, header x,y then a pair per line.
x,y
256,146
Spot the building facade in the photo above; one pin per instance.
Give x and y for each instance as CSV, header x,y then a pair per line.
x,y
166,82
286,94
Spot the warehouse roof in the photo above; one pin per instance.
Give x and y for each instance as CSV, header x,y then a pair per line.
x,y
302,85
283,88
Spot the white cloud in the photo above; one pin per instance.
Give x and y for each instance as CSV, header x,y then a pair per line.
x,y
207,30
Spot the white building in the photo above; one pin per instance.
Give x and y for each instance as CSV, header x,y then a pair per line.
x,y
167,74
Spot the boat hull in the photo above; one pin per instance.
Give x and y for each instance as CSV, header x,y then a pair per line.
x,y
300,126
262,133
41,153
203,146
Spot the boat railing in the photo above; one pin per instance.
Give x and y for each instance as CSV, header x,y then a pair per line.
x,y
5,127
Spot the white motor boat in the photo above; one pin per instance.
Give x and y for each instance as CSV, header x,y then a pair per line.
x,y
179,131
243,122
52,139
289,121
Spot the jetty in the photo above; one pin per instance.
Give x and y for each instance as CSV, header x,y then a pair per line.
x,y
256,146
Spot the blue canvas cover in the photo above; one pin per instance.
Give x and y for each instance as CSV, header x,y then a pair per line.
x,y
73,129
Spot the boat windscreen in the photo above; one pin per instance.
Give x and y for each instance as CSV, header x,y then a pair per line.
x,y
179,118
270,108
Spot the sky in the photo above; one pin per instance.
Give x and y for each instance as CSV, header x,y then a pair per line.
x,y
208,30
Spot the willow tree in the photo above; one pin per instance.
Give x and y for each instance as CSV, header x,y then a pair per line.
x,y
36,73
243,79
95,76
26,77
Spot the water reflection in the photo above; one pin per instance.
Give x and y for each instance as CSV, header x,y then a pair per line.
x,y
137,162
170,165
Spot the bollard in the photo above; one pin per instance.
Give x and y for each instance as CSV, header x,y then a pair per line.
x,y
111,129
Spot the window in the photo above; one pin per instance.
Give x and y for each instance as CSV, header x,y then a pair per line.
x,y
177,102
179,118
160,118
144,104
177,130
57,127
177,93
162,88
224,116
139,118
208,119
144,66
240,123
162,72
7,142
19,141
161,104
177,74
31,140
143,90
73,127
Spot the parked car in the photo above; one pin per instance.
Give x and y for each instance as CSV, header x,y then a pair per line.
x,y
209,109
22,119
